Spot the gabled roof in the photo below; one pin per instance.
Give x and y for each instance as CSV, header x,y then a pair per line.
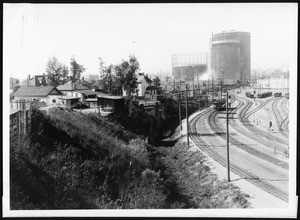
x,y
33,91
147,79
142,76
68,86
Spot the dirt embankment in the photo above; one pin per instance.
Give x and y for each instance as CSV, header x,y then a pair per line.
x,y
193,183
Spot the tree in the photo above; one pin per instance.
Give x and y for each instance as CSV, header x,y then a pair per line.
x,y
76,70
109,80
56,72
156,82
126,75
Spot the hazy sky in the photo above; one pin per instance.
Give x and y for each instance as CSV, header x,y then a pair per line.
x,y
152,32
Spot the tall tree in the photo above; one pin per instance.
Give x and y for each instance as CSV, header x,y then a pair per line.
x,y
76,70
109,80
56,72
126,75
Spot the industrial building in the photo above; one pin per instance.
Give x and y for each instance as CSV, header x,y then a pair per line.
x,y
230,57
189,66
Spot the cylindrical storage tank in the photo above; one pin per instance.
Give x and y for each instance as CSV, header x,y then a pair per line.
x,y
230,57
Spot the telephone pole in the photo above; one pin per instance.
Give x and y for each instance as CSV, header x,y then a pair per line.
x,y
187,114
227,139
227,133
179,109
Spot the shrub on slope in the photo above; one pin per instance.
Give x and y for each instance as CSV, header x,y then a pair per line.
x,y
71,160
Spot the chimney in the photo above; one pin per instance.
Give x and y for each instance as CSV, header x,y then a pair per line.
x,y
44,79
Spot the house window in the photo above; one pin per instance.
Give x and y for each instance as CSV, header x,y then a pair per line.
x,y
53,100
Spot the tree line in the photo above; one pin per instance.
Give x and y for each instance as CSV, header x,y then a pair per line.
x,y
114,79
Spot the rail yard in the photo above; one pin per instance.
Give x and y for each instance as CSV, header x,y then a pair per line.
x,y
258,143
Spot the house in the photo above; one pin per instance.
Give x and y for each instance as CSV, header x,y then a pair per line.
x,y
85,83
74,90
92,102
47,94
111,105
151,93
70,101
143,82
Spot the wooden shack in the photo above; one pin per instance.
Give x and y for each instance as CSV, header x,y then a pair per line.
x,y
112,105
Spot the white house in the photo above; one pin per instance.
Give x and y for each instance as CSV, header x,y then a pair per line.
x,y
74,90
143,83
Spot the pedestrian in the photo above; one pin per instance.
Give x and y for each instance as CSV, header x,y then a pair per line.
x,y
271,126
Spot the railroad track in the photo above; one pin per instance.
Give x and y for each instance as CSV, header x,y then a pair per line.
x,y
277,114
212,120
263,104
214,154
252,129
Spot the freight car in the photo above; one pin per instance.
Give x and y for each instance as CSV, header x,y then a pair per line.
x,y
219,104
277,94
287,95
264,95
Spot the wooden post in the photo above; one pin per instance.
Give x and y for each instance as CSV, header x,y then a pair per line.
x,y
227,138
187,115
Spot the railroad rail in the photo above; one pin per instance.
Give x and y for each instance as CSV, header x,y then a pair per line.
x,y
252,129
214,154
214,126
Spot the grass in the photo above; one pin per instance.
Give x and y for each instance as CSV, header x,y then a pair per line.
x,y
74,161
194,180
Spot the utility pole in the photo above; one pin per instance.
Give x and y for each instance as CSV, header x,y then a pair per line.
x,y
179,109
221,88
227,133
227,139
187,115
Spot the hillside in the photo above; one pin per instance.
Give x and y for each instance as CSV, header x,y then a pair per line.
x,y
76,161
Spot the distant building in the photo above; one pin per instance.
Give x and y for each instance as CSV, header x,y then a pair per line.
x,y
273,82
37,80
189,66
13,82
92,77
230,57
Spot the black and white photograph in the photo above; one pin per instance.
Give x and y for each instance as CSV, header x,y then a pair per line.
x,y
150,110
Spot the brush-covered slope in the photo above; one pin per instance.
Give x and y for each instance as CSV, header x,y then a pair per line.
x,y
71,160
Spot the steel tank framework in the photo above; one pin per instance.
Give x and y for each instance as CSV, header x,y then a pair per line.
x,y
189,66
230,57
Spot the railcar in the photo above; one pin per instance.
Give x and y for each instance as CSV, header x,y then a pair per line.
x,y
277,94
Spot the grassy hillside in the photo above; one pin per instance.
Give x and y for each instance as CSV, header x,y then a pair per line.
x,y
71,160
76,161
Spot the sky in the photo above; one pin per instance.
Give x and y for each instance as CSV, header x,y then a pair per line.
x,y
32,33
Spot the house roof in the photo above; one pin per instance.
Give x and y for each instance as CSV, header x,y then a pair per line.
x,y
147,79
106,96
68,86
91,100
68,97
151,88
87,92
33,91
142,76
